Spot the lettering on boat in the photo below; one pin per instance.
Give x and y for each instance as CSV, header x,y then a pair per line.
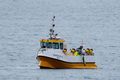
x,y
58,56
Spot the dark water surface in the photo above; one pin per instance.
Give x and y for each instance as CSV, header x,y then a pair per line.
x,y
24,22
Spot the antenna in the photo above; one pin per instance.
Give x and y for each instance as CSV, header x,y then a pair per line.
x,y
82,43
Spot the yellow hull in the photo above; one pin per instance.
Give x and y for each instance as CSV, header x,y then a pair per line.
x,y
47,62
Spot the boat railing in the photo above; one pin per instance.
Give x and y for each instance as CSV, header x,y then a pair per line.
x,y
40,50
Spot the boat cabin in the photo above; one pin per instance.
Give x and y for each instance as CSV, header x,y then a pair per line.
x,y
52,43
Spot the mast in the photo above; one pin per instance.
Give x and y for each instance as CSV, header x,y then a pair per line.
x,y
52,34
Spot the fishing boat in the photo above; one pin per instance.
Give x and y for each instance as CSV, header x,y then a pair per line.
x,y
54,54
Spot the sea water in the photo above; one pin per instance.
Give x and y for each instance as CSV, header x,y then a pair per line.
x,y
24,22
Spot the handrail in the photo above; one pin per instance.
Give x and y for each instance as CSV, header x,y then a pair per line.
x,y
39,50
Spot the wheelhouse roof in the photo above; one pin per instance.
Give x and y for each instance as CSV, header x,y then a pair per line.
x,y
52,40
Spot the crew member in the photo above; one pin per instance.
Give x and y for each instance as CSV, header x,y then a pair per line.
x,y
80,50
91,51
87,51
76,53
72,51
65,51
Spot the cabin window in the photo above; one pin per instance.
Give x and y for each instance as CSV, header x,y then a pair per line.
x,y
55,45
61,45
49,45
43,45
46,45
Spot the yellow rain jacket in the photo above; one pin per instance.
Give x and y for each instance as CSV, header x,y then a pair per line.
x,y
76,53
87,51
90,52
